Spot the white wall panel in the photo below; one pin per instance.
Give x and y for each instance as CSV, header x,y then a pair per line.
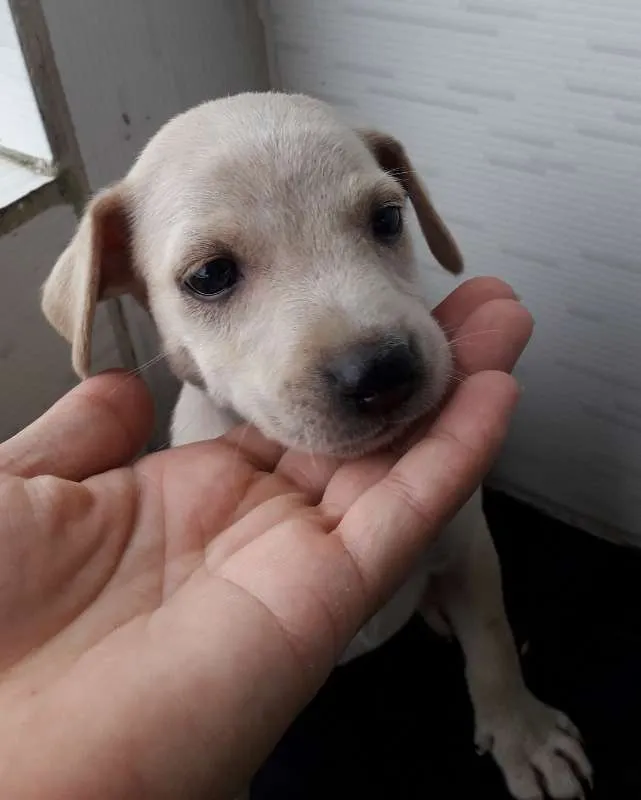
x,y
525,120
127,67
35,366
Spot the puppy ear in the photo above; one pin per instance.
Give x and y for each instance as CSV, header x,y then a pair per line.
x,y
391,156
96,265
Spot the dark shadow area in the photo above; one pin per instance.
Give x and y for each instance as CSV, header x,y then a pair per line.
x,y
398,724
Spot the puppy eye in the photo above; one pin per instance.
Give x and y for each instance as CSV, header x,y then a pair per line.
x,y
387,223
214,278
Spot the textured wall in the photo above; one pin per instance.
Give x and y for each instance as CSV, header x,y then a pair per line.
x,y
35,366
525,120
127,67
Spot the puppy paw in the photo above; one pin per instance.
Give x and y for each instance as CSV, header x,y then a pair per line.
x,y
437,622
537,748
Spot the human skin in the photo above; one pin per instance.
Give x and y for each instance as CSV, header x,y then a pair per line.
x,y
163,621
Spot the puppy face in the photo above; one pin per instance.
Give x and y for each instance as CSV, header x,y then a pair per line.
x,y
268,241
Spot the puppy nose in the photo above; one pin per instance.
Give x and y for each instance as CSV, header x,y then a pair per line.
x,y
377,377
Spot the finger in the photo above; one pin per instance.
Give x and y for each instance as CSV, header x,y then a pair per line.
x,y
306,471
258,518
309,472
352,480
101,424
386,529
452,312
247,440
492,337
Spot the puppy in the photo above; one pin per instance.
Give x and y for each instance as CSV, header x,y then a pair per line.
x,y
268,241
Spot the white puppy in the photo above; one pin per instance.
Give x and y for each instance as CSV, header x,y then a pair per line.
x,y
267,240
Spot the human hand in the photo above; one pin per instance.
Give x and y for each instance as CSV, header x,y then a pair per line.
x,y
161,624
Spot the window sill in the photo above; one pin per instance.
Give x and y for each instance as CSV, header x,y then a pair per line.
x,y
25,193
18,181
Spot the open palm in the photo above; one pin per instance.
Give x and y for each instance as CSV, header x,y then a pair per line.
x,y
162,623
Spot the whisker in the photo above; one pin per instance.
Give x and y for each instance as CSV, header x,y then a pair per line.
x,y
150,363
164,445
238,454
467,336
131,374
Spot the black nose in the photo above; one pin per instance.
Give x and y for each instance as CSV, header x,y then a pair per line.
x,y
376,377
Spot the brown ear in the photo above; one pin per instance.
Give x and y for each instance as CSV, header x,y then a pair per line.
x,y
96,265
392,157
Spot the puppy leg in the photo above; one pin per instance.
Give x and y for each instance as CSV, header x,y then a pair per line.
x,y
536,747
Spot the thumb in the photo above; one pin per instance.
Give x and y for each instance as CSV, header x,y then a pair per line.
x,y
99,425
